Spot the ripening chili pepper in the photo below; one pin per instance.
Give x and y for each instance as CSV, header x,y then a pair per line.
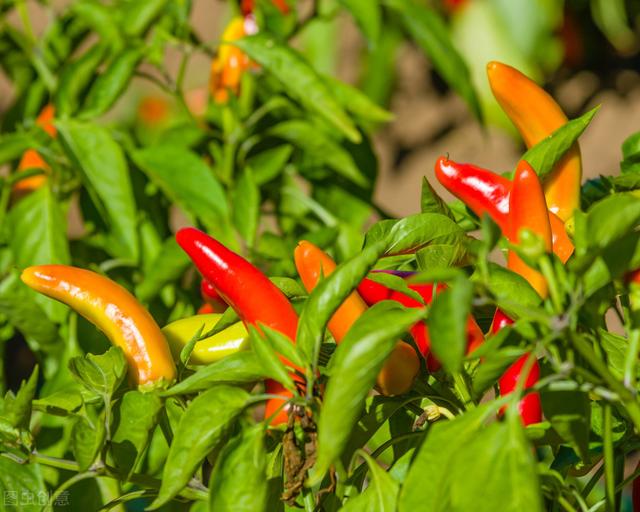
x,y
484,191
211,297
374,292
248,291
402,366
536,115
31,159
114,311
231,62
210,349
529,407
528,209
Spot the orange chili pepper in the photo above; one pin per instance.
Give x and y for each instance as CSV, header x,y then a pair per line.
x,y
528,209
536,115
400,370
31,158
230,63
114,311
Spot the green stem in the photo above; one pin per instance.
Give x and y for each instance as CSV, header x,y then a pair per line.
x,y
552,283
73,480
609,474
463,390
631,359
54,462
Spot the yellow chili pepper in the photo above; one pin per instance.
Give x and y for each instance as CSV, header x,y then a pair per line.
x,y
536,115
210,349
114,311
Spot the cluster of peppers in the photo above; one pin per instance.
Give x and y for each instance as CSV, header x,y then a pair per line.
x,y
230,280
230,63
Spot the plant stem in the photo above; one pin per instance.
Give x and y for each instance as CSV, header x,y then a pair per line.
x,y
609,475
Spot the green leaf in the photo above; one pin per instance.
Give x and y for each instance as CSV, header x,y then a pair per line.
x,y
60,403
109,86
354,368
299,79
18,481
498,457
246,206
75,77
101,19
239,368
511,288
194,188
356,102
610,219
38,235
431,202
202,427
417,231
367,15
268,164
549,151
17,409
87,438
282,345
320,147
447,323
94,151
327,296
631,154
381,493
273,366
137,15
136,417
166,268
244,455
102,373
430,31
569,412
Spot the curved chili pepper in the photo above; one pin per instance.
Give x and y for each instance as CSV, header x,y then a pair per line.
x,y
248,291
211,297
536,115
484,191
530,408
528,209
114,311
402,366
374,292
31,158
210,349
231,62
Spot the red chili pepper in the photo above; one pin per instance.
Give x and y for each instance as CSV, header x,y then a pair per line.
x,y
484,191
528,209
529,407
211,297
373,292
247,290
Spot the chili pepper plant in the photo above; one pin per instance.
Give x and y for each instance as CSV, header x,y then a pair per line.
x,y
234,324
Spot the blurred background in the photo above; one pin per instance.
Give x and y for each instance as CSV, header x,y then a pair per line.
x,y
585,52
